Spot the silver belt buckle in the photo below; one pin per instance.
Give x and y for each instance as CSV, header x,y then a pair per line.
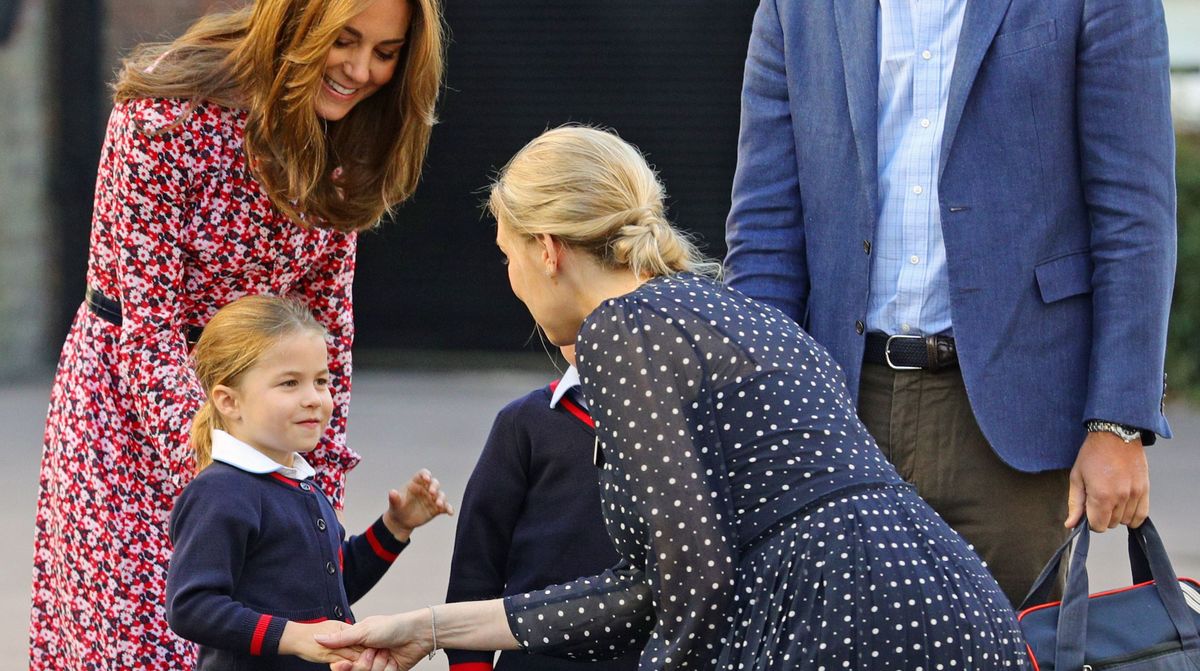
x,y
887,352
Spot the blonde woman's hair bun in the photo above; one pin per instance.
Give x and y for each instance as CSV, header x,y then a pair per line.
x,y
596,192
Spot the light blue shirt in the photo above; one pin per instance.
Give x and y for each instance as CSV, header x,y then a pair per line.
x,y
910,288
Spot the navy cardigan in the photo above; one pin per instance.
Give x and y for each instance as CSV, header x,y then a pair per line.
x,y
254,551
530,517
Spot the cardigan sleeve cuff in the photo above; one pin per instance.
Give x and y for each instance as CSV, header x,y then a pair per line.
x,y
470,660
383,543
265,634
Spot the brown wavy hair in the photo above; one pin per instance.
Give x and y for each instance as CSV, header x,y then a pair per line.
x,y
235,339
268,59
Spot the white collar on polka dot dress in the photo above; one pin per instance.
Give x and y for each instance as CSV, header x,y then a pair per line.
x,y
229,450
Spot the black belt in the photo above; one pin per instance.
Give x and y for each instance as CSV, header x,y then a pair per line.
x,y
109,310
911,352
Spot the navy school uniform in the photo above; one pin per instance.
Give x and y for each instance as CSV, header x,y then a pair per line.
x,y
530,516
257,544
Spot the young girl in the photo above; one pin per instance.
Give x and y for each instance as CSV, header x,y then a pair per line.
x,y
260,564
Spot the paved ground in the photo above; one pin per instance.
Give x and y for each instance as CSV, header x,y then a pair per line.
x,y
403,421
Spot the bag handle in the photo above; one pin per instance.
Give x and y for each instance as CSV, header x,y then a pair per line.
x,y
1145,550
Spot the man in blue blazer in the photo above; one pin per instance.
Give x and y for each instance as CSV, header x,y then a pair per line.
x,y
971,204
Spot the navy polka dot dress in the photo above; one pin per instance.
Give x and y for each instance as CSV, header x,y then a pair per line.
x,y
761,528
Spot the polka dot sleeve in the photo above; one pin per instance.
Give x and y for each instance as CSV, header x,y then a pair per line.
x,y
665,486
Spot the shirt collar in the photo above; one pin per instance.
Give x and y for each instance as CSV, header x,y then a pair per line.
x,y
569,381
229,450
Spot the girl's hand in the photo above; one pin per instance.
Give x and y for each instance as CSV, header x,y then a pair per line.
x,y
381,643
298,640
421,501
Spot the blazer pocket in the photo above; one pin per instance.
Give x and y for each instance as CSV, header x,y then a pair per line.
x,y
1024,39
1064,276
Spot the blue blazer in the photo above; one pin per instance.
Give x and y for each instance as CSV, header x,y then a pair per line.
x,y
1057,195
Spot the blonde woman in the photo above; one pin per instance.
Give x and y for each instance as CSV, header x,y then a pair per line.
x,y
241,158
760,526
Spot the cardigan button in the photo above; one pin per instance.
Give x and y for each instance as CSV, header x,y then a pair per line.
x,y
305,486
337,610
330,568
320,524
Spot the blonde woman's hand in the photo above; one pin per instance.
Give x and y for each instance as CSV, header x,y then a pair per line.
x,y
380,643
421,501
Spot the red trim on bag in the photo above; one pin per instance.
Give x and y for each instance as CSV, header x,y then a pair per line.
x,y
1052,604
260,634
378,548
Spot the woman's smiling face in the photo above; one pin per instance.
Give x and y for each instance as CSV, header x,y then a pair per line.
x,y
364,57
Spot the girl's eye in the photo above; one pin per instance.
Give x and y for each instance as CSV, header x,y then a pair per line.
x,y
288,383
322,382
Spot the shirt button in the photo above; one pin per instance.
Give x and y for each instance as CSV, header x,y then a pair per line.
x,y
867,247
924,123
859,327
321,524
927,54
914,260
330,568
918,190
905,328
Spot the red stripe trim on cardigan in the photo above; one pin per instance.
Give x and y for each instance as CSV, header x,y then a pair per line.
x,y
379,549
260,634
285,479
471,666
579,413
341,560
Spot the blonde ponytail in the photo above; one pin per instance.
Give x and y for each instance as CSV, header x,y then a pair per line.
x,y
595,192
200,439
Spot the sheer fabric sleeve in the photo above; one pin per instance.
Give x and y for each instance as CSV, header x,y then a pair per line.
x,y
647,386
327,291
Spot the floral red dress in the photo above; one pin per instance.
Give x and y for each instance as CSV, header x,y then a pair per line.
x,y
180,228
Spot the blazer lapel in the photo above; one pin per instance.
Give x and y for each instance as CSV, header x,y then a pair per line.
x,y
980,23
857,26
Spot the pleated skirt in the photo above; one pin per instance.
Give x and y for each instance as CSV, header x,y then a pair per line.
x,y
874,580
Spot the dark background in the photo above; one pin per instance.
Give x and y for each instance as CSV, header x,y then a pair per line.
x,y
665,74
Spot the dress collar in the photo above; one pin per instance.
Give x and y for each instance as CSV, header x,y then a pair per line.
x,y
229,450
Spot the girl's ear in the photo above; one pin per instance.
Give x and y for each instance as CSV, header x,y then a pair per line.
x,y
226,402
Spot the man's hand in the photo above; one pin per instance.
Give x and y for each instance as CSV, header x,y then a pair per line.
x,y
1111,481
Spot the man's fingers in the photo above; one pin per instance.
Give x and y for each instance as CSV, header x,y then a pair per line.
x,y
1141,512
1076,497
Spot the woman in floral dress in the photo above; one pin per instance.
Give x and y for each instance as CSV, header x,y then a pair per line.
x,y
240,159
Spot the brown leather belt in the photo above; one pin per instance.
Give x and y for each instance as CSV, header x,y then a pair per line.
x,y
911,352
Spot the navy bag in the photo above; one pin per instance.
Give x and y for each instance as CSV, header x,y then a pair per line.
x,y
1151,625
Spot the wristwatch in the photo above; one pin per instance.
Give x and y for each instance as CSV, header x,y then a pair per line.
x,y
1125,433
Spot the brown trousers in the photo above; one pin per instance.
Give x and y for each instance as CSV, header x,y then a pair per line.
x,y
925,427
